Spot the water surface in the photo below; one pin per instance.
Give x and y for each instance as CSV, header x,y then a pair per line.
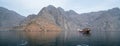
x,y
63,38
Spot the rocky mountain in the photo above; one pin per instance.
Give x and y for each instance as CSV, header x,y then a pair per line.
x,y
52,18
70,20
9,18
43,21
107,20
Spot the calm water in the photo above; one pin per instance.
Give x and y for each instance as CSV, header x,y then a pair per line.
x,y
64,38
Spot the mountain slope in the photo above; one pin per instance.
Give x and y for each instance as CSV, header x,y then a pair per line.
x,y
43,21
107,20
9,18
52,18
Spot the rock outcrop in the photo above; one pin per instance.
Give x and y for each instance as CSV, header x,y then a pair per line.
x,y
9,18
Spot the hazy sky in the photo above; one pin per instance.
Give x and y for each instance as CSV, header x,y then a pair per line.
x,y
26,7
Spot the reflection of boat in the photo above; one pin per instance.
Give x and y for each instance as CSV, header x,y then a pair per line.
x,y
85,30
23,42
82,45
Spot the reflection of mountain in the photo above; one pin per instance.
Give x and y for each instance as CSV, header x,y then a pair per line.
x,y
52,18
9,18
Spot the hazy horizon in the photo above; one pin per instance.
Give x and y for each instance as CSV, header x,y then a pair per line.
x,y
26,7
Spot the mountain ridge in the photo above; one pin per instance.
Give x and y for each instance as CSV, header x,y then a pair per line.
x,y
9,18
70,20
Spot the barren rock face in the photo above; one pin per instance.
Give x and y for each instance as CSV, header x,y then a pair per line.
x,y
9,18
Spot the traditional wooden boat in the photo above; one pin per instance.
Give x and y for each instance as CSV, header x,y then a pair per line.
x,y
85,30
